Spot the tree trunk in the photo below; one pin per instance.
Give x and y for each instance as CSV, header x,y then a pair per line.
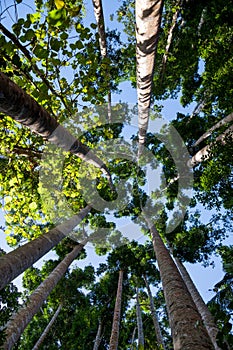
x,y
154,316
133,338
205,313
113,345
99,335
15,262
223,121
139,323
204,153
47,329
99,16
16,103
148,19
19,321
188,332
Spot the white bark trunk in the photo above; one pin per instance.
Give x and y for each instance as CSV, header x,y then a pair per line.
x,y
99,336
139,323
148,19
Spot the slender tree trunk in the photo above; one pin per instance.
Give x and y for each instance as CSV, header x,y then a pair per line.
x,y
133,338
15,262
148,19
16,103
188,332
205,313
154,316
99,16
113,345
99,335
204,153
224,121
141,342
19,321
47,329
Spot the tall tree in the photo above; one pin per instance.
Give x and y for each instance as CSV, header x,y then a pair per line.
x,y
17,261
20,320
185,321
139,322
113,345
148,18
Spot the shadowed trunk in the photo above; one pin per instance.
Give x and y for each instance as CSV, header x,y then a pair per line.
x,y
16,103
113,345
17,261
188,332
19,321
47,329
154,316
205,313
148,19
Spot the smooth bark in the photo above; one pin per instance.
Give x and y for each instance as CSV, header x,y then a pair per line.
x,y
141,342
154,316
227,119
19,321
188,332
148,19
113,345
205,152
99,16
99,335
47,329
17,261
205,313
16,103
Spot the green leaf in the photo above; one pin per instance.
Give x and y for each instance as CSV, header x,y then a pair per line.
x,y
33,206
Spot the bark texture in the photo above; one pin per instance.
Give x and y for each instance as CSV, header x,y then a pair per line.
x,y
188,332
148,19
154,316
17,261
47,329
16,103
20,320
205,313
141,342
99,335
113,345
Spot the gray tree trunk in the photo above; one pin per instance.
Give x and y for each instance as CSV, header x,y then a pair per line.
x,y
17,261
16,103
99,335
19,321
154,316
188,332
205,313
141,342
47,329
113,345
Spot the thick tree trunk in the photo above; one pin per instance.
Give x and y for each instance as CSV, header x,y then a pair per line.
x,y
15,262
24,109
19,321
99,335
141,342
205,313
47,329
188,332
113,345
148,19
154,316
